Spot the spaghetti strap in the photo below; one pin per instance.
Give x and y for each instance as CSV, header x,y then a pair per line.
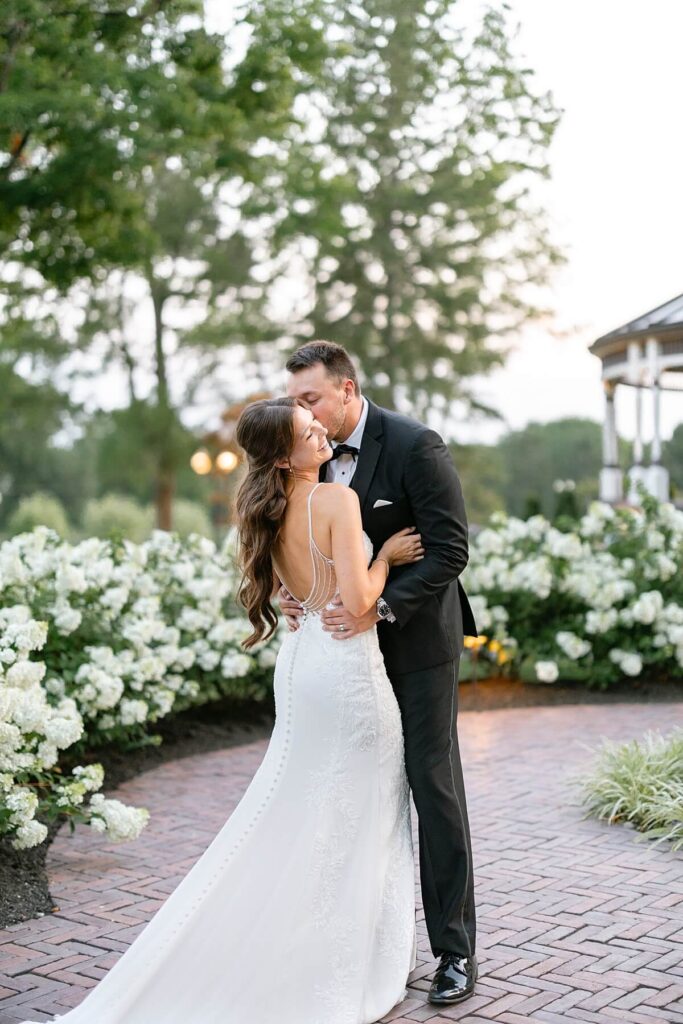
x,y
310,512
324,580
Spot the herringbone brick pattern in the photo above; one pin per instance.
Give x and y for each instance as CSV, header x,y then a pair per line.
x,y
576,920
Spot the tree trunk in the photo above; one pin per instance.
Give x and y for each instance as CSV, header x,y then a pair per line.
x,y
165,485
165,478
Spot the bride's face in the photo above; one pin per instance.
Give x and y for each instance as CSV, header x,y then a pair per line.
x,y
311,448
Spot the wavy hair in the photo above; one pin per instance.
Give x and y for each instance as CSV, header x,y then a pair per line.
x,y
265,430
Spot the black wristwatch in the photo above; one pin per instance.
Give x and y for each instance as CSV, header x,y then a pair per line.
x,y
384,611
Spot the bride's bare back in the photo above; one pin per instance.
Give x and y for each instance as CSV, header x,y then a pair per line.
x,y
323,551
300,560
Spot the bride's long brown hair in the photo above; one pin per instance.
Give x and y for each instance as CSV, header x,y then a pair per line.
x,y
265,430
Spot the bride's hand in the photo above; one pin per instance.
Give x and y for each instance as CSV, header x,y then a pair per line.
x,y
402,547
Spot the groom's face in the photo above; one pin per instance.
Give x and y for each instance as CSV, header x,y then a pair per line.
x,y
327,400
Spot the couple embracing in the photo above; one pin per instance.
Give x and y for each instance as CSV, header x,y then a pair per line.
x,y
301,910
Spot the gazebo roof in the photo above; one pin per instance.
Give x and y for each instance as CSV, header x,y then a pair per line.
x,y
664,319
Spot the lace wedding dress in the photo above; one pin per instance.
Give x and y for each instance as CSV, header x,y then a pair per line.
x,y
301,910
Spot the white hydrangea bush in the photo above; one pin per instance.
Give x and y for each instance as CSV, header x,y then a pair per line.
x,y
34,728
127,634
596,604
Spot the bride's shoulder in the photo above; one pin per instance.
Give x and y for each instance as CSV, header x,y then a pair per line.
x,y
337,496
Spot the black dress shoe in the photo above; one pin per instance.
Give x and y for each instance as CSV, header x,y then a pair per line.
x,y
454,978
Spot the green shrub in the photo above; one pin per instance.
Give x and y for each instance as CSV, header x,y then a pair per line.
x,y
640,781
191,517
39,509
119,514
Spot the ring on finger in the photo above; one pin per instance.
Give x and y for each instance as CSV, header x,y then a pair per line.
x,y
342,629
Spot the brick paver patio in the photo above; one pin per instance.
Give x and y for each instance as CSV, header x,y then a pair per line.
x,y
576,920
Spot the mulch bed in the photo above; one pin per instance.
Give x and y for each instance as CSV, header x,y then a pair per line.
x,y
24,889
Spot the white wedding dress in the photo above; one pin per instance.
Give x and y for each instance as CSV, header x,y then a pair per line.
x,y
301,910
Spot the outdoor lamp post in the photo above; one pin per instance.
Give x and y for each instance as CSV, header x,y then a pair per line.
x,y
218,466
218,457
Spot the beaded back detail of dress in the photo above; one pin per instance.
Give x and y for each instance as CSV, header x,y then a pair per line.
x,y
324,586
324,583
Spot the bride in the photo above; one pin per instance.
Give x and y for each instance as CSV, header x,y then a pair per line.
x,y
301,910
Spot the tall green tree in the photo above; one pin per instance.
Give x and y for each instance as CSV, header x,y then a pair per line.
x,y
411,201
101,106
193,259
482,475
534,457
94,94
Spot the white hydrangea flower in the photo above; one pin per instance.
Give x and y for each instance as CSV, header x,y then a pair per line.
x,y
63,731
234,665
207,660
191,620
47,754
69,579
163,699
121,823
25,673
30,709
267,657
601,621
666,567
115,598
647,606
66,619
23,803
546,671
489,542
482,615
630,662
132,711
572,645
563,545
91,776
29,834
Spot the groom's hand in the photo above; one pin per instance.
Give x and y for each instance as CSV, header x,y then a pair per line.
x,y
338,616
290,608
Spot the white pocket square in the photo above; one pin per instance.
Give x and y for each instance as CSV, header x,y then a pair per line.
x,y
380,502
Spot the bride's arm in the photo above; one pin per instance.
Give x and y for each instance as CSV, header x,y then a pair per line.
x,y
359,586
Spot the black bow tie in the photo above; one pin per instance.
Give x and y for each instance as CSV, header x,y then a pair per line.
x,y
345,449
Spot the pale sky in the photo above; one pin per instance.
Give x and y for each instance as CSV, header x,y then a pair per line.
x,y
616,199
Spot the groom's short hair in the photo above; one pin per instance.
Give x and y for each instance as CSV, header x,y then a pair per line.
x,y
334,358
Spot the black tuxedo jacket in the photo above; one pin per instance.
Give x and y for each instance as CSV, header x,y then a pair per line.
x,y
405,463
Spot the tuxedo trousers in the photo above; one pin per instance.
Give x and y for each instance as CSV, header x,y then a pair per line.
x,y
428,700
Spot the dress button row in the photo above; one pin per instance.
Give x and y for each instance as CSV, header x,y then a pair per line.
x,y
164,943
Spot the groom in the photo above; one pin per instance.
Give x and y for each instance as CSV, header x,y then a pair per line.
x,y
404,476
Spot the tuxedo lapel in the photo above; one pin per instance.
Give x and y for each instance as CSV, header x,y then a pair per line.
x,y
370,448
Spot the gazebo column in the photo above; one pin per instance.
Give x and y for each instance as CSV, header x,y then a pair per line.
x,y
658,476
611,477
637,473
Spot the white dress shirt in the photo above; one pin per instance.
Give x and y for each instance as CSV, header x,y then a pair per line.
x,y
341,470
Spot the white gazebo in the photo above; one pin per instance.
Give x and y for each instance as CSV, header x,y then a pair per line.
x,y
646,354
